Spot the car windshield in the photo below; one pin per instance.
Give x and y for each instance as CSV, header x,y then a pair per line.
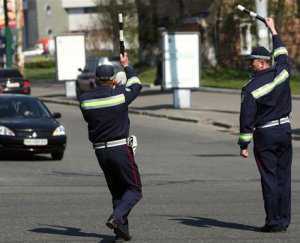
x,y
10,73
22,108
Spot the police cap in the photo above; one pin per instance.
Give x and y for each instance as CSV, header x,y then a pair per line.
x,y
260,53
105,72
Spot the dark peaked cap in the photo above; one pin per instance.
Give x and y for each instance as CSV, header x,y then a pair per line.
x,y
260,53
105,72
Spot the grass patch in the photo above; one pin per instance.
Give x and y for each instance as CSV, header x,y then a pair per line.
x,y
40,68
224,78
216,78
236,79
40,74
148,76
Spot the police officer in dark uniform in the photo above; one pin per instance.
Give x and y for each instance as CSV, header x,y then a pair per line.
x,y
265,109
105,109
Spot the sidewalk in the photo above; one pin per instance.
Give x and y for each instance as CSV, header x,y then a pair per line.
x,y
215,108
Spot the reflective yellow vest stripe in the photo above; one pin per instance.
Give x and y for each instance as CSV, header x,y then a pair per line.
x,y
280,51
133,80
245,137
103,102
267,88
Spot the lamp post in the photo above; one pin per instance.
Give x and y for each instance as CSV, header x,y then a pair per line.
x,y
8,37
262,31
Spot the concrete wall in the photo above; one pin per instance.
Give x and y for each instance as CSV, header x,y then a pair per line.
x,y
80,21
31,29
52,18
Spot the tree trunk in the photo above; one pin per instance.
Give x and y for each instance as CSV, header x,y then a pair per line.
x,y
298,8
279,13
148,31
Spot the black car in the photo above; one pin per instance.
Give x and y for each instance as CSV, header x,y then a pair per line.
x,y
12,81
26,125
86,79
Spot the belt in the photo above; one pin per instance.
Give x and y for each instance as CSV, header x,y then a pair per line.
x,y
110,144
275,122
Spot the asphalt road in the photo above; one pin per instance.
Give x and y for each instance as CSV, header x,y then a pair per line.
x,y
196,189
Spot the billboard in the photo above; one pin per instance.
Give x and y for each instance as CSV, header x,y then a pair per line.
x,y
181,60
70,56
11,9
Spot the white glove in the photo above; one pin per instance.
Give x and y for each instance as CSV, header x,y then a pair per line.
x,y
132,142
121,78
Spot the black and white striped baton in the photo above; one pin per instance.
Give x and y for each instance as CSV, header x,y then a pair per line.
x,y
251,13
121,34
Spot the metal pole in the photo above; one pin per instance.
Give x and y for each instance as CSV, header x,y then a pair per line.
x,y
8,37
20,22
262,30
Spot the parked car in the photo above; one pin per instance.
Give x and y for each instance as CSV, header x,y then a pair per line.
x,y
26,125
12,81
86,80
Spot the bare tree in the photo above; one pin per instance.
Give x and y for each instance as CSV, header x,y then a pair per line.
x,y
279,13
148,29
298,7
107,26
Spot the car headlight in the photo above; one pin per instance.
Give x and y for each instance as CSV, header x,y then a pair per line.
x,y
59,131
4,131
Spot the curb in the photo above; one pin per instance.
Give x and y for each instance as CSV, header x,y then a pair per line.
x,y
131,110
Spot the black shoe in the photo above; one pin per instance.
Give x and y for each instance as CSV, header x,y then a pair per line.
x,y
118,239
110,221
121,230
272,229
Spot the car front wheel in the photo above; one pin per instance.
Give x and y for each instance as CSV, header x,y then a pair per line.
x,y
57,155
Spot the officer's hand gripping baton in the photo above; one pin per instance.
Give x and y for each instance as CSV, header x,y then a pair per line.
x,y
251,13
121,34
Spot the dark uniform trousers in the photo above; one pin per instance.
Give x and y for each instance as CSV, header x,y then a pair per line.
x,y
123,179
273,154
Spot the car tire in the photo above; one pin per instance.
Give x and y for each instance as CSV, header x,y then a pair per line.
x,y
57,155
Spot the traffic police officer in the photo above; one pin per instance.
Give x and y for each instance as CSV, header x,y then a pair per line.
x,y
105,109
265,109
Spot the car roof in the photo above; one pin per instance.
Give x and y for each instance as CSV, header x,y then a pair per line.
x,y
22,96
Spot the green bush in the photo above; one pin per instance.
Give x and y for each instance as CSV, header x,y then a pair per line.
x,y
47,63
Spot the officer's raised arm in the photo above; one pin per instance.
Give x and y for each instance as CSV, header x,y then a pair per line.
x,y
280,53
133,85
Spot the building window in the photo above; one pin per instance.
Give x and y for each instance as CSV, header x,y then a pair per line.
x,y
91,10
48,9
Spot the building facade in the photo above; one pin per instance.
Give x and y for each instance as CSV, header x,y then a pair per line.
x,y
49,18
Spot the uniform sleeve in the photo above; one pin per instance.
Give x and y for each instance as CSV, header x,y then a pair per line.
x,y
247,119
133,86
83,112
280,55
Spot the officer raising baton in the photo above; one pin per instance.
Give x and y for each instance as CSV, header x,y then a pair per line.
x,y
265,110
105,109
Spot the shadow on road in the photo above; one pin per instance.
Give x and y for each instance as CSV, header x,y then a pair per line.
x,y
24,157
216,155
155,107
155,92
208,222
296,134
70,231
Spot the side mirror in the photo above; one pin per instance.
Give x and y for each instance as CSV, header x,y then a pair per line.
x,y
56,115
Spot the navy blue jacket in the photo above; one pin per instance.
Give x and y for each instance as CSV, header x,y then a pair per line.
x,y
267,96
105,109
